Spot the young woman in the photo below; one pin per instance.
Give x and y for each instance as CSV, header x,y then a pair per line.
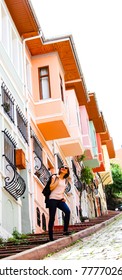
x,y
57,200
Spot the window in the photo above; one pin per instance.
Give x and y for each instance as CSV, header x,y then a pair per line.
x,y
77,210
12,43
78,117
37,148
43,222
28,75
61,87
20,58
68,110
44,83
9,147
4,29
38,216
14,50
7,102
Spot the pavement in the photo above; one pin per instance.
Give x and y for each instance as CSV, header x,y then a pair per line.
x,y
105,244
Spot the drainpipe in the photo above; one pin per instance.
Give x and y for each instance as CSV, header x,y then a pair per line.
x,y
28,119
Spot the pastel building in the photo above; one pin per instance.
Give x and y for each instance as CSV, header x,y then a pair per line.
x,y
14,131
47,119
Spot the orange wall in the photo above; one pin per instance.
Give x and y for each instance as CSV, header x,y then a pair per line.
x,y
72,106
85,127
55,69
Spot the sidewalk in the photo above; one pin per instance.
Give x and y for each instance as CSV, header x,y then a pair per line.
x,y
102,245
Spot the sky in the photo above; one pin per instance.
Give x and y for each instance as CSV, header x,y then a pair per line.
x,y
96,27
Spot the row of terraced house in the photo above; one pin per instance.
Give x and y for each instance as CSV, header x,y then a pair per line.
x,y
47,118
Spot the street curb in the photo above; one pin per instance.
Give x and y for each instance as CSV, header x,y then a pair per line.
x,y
39,252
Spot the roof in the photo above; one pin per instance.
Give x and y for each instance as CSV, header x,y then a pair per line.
x,y
95,114
27,24
24,17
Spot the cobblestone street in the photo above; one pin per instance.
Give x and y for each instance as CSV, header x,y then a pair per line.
x,y
102,245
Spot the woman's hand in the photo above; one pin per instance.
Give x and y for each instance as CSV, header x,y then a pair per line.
x,y
63,199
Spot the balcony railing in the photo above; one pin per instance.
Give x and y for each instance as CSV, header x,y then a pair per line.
x,y
14,183
41,171
7,102
77,182
37,147
22,124
59,161
68,188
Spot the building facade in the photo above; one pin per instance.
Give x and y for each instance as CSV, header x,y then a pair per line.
x,y
47,118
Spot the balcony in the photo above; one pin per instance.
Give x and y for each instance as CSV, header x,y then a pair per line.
x,y
51,119
40,170
88,147
101,168
72,146
91,159
95,161
14,183
106,176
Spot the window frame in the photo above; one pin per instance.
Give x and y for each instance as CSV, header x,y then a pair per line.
x,y
61,87
38,216
43,76
7,102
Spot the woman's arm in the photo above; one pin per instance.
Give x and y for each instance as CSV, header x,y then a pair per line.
x,y
54,183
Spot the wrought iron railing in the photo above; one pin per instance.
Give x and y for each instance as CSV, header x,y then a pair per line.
x,y
68,188
14,183
7,102
37,147
22,124
77,182
59,161
41,171
9,146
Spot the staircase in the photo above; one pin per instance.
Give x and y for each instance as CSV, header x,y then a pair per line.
x,y
33,240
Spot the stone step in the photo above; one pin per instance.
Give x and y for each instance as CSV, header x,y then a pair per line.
x,y
37,239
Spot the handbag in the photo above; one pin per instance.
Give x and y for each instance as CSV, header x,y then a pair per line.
x,y
46,191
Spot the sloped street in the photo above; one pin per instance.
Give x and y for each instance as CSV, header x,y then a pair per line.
x,y
106,244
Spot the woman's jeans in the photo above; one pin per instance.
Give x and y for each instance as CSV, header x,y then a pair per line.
x,y
53,205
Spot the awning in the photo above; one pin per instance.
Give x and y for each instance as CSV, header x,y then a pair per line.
x,y
106,178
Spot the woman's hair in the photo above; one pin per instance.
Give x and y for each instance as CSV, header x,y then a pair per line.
x,y
67,174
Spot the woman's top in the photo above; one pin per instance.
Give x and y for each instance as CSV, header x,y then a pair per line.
x,y
58,191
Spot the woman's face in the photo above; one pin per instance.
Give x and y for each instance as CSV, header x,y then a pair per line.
x,y
64,169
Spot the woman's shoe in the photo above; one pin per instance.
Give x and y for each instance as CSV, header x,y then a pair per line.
x,y
51,239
